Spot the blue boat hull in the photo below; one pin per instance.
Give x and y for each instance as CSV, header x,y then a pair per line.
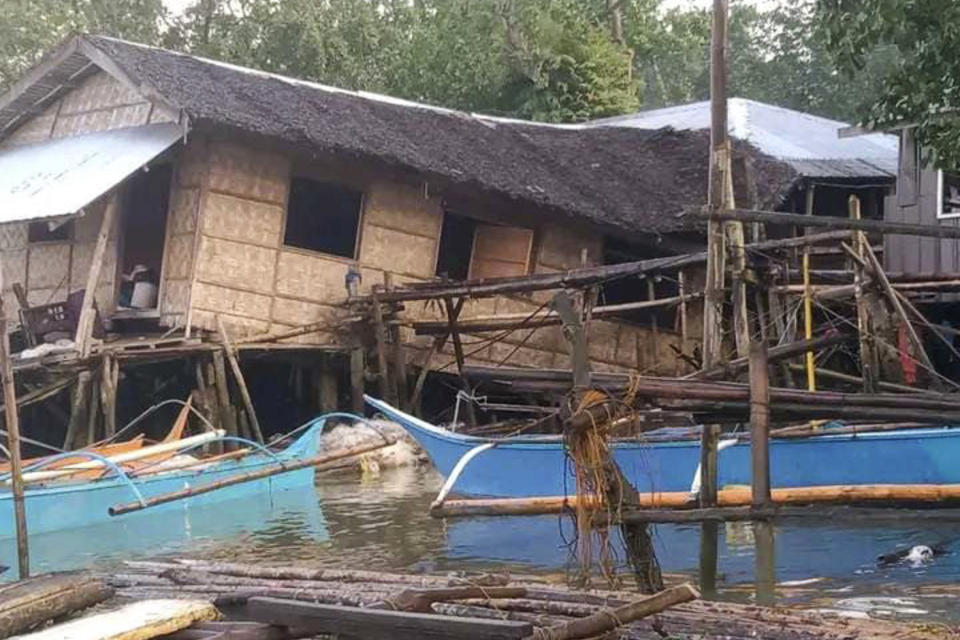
x,y
59,506
537,466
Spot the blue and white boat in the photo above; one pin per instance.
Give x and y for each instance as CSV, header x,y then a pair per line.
x,y
63,504
537,465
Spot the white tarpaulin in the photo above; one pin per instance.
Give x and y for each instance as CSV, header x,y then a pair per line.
x,y
60,177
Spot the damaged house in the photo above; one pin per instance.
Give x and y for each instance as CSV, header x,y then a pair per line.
x,y
193,203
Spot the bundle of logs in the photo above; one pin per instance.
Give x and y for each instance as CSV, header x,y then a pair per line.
x,y
374,604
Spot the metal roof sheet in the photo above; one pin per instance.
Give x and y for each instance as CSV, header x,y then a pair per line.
x,y
59,177
808,142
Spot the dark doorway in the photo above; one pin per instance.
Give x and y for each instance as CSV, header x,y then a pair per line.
x,y
142,234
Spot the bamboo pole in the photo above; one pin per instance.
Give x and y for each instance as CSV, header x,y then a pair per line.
x,y
272,470
807,301
868,360
388,389
452,315
12,419
238,377
831,222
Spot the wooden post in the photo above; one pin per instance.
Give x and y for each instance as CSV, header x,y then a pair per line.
x,y
227,417
93,410
241,383
654,324
78,410
327,391
682,291
896,300
453,311
108,390
618,492
714,285
765,565
357,370
388,390
760,424
399,356
88,312
869,362
12,420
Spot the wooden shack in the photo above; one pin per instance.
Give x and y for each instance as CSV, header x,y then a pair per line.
x,y
256,200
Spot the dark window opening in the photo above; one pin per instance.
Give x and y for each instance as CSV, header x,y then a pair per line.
x,y
636,289
949,195
456,247
323,217
50,232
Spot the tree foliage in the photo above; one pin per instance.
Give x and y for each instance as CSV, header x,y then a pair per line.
x,y
923,86
552,60
28,28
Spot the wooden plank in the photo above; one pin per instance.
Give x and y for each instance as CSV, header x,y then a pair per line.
x,y
377,624
87,311
138,621
34,601
241,383
500,251
228,419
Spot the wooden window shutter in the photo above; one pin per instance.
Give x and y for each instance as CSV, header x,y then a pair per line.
x,y
500,251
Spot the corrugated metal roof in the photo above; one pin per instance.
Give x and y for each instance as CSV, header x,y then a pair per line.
x,y
807,142
60,177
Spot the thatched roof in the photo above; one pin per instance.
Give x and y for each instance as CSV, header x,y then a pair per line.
x,y
621,178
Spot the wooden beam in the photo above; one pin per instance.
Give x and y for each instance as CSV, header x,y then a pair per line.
x,y
452,315
775,354
378,624
831,222
503,322
228,418
88,312
241,383
357,370
388,390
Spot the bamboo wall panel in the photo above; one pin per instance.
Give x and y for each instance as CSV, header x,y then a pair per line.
x,y
404,208
231,301
233,218
13,236
561,247
179,257
176,298
311,277
99,91
49,265
238,326
248,173
298,312
243,266
183,210
396,251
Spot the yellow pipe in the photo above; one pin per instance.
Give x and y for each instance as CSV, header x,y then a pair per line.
x,y
808,320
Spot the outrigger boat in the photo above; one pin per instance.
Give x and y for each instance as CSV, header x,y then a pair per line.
x,y
536,465
84,487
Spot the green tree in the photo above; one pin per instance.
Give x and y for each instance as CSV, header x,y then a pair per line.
x,y
28,28
921,87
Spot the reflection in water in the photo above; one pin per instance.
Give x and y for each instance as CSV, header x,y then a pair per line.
x,y
383,523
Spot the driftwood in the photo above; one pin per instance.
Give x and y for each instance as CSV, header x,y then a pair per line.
x,y
604,621
31,602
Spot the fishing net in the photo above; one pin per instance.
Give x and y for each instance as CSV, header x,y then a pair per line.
x,y
602,491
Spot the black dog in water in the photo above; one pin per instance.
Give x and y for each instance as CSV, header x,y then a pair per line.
x,y
916,554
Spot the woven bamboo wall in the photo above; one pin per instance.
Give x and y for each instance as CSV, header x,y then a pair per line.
x,y
50,270
256,284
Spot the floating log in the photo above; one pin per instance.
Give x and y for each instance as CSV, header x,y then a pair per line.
x,y
375,624
34,601
135,621
420,600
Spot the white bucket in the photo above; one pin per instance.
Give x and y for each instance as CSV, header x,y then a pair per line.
x,y
144,295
